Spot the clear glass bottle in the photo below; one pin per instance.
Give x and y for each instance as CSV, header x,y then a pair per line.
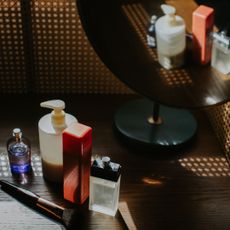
x,y
104,186
19,153
221,52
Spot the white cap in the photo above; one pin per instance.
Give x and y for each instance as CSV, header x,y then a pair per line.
x,y
17,132
57,115
106,159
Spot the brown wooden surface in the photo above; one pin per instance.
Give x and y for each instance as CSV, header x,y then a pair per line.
x,y
185,188
117,31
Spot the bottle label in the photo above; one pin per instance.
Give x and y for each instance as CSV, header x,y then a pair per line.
x,y
19,157
20,168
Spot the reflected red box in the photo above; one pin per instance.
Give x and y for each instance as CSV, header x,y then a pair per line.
x,y
202,26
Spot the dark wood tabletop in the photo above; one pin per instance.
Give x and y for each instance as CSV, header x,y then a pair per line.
x,y
117,30
177,188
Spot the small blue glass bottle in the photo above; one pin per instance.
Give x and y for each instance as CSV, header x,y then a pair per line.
x,y
19,153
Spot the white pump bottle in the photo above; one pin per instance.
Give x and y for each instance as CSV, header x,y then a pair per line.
x,y
170,35
50,138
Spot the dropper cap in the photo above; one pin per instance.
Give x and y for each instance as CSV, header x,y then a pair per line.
x,y
58,114
17,133
170,12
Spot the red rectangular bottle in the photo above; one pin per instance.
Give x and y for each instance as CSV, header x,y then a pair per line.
x,y
202,26
77,146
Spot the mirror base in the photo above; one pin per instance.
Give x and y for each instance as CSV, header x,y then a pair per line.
x,y
178,126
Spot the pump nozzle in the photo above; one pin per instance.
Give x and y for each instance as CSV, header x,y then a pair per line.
x,y
57,115
170,12
53,104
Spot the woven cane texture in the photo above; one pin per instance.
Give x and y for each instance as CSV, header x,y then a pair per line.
x,y
220,120
45,50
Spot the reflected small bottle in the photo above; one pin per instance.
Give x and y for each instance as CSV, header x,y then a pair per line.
x,y
104,186
221,52
151,32
19,153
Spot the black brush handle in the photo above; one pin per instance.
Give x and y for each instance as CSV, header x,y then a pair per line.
x,y
19,192
33,200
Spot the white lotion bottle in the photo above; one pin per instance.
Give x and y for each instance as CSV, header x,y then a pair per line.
x,y
50,129
170,35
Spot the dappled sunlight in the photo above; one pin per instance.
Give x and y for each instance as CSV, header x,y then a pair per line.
x,y
206,166
151,181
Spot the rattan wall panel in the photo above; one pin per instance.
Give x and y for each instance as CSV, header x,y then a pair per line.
x,y
63,58
12,60
45,50
220,119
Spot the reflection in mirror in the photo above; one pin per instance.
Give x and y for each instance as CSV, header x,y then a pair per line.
x,y
139,19
225,77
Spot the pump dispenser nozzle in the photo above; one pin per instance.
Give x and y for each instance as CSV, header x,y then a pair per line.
x,y
170,12
57,115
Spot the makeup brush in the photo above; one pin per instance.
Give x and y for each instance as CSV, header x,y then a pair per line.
x,y
47,208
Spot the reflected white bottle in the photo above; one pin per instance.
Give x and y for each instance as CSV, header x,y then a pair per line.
x,y
170,35
50,129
